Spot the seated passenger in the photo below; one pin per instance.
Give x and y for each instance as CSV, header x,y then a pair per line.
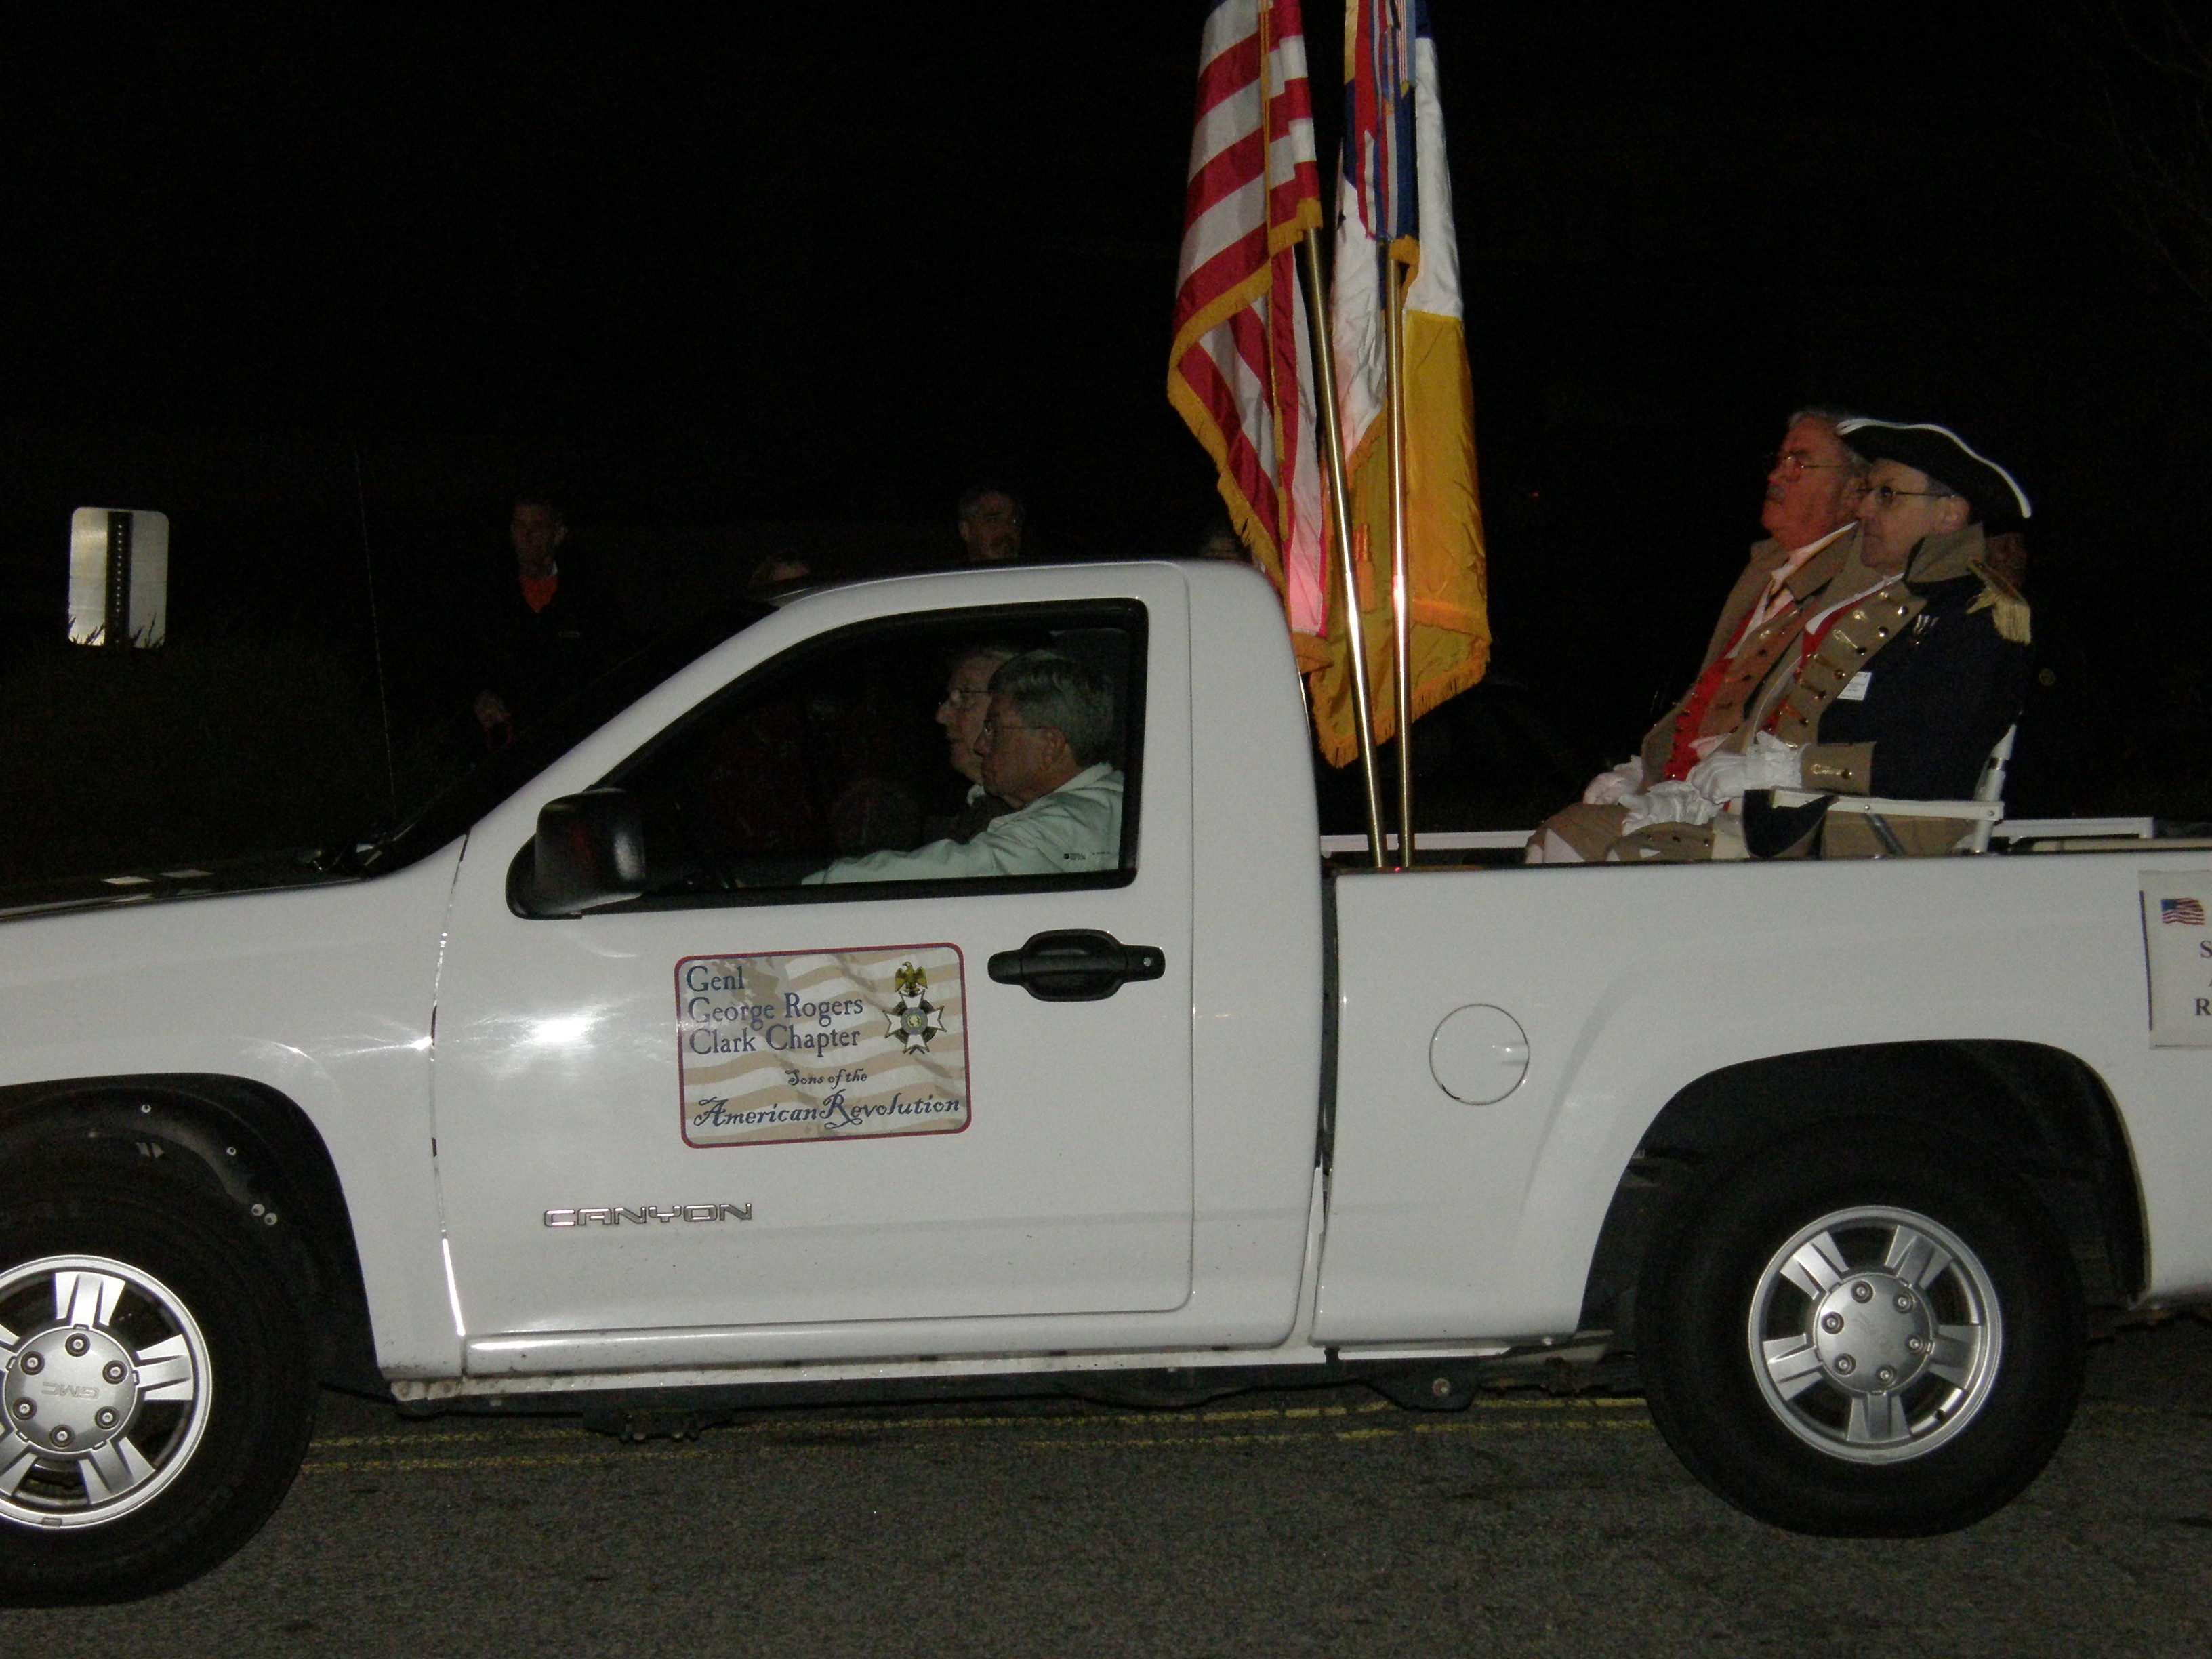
x,y
967,701
1044,744
1811,490
1903,691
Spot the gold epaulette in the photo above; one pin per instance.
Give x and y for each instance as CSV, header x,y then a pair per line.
x,y
2002,598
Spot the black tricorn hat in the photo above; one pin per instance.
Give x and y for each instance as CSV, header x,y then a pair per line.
x,y
1944,456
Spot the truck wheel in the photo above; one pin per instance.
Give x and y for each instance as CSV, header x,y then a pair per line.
x,y
153,1380
1862,1334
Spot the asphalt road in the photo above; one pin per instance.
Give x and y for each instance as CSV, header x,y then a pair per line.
x,y
1277,1524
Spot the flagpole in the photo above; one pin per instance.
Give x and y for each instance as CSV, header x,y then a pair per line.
x,y
1332,444
1393,359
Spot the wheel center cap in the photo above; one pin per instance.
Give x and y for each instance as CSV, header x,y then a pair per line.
x,y
70,1390
1873,1332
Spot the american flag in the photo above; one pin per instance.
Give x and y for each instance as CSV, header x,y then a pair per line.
x,y
2189,912
1241,370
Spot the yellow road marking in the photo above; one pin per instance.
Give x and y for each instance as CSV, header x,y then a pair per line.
x,y
510,1429
796,1434
1106,1434
430,1436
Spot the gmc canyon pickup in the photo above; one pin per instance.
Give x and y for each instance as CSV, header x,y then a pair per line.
x,y
572,1094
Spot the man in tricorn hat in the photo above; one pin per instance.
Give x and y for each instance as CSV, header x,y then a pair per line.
x,y
1903,690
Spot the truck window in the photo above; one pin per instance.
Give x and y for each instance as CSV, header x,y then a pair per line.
x,y
990,747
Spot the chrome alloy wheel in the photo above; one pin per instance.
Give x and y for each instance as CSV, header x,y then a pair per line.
x,y
1874,1334
105,1393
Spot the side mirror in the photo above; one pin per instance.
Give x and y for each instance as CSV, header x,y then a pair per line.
x,y
589,851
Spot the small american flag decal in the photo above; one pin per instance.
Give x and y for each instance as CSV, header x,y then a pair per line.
x,y
2189,912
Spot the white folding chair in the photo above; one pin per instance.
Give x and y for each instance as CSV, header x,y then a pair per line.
x,y
1985,811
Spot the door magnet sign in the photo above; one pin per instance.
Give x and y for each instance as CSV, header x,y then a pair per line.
x,y
821,1045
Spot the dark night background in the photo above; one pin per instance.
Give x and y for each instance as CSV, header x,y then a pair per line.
x,y
352,273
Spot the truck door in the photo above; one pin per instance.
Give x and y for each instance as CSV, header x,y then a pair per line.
x,y
741,1101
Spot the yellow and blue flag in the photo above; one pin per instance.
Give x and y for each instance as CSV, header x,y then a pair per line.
x,y
1394,207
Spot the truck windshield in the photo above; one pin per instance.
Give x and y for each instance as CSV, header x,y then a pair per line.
x,y
563,727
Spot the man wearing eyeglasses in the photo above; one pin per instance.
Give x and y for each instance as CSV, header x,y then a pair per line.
x,y
1813,490
1903,690
1045,743
967,704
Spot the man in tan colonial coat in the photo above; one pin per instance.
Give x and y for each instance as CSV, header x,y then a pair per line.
x,y
1812,538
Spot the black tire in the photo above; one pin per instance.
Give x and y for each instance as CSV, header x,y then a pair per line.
x,y
198,1443
1794,1418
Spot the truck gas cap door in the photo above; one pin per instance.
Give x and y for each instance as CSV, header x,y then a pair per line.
x,y
1076,965
1478,1054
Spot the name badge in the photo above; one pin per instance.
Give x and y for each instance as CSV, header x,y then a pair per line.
x,y
1854,689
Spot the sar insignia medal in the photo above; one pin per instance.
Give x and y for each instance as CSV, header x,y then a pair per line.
x,y
913,1018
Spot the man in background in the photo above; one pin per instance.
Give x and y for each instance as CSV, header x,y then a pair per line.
x,y
1221,541
990,521
549,629
786,570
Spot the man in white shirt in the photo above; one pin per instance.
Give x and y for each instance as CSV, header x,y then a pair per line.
x,y
1043,744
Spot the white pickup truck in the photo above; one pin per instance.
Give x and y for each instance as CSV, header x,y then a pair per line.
x,y
570,1096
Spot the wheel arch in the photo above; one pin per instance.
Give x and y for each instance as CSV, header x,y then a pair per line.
x,y
250,1141
2042,1110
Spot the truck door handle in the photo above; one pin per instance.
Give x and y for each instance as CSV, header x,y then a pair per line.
x,y
1076,965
